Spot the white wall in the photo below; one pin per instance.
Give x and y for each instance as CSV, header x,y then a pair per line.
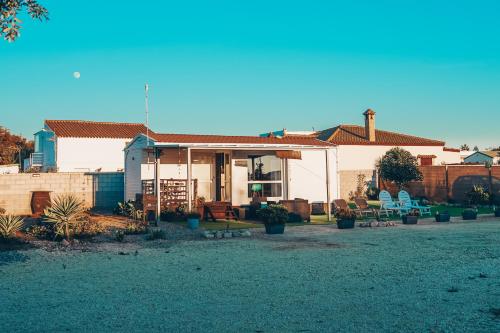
x,y
9,169
363,157
307,176
90,154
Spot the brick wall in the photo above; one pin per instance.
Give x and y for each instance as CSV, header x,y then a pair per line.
x,y
95,189
444,183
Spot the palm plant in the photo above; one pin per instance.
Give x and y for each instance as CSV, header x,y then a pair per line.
x,y
9,225
64,211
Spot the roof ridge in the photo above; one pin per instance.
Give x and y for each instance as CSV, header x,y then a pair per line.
x,y
92,122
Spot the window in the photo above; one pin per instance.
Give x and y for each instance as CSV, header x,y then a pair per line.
x,y
264,176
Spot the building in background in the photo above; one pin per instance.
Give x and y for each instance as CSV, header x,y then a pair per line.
x,y
489,157
359,148
76,145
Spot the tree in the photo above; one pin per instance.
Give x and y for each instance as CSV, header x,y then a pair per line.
x,y
10,24
13,148
464,147
476,148
399,166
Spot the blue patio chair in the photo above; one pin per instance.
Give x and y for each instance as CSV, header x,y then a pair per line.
x,y
387,205
406,201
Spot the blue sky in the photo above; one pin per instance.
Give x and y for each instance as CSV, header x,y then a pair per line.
x,y
429,68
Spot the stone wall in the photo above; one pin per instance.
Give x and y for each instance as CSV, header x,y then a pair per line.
x,y
101,190
349,180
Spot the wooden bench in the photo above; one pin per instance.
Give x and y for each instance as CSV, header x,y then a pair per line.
x,y
218,210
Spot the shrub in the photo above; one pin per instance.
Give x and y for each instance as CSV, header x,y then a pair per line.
x,y
119,236
478,195
128,209
41,232
360,188
173,215
372,192
88,228
156,234
413,212
273,214
65,211
345,214
9,225
134,228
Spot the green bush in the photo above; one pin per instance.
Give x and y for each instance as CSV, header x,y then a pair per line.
x,y
273,214
9,225
478,195
372,192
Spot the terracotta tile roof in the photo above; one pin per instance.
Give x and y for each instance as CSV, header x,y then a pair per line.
x,y
93,129
455,150
355,135
426,156
227,139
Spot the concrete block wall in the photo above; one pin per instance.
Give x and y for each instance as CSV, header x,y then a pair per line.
x,y
349,180
102,188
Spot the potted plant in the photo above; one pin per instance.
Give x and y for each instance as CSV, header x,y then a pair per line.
x,y
345,218
411,217
469,214
274,218
443,217
193,220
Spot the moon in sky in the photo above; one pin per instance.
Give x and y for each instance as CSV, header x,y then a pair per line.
x,y
76,75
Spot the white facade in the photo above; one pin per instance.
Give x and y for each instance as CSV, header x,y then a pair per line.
x,y
363,157
304,178
9,169
89,154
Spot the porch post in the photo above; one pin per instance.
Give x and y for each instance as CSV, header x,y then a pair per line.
x,y
189,189
328,199
157,184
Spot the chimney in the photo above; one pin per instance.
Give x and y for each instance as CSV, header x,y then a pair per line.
x,y
369,125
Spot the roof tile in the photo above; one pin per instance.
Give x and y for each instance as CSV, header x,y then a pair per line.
x,y
355,135
92,129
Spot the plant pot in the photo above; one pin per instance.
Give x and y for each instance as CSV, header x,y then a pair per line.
x,y
442,217
469,215
193,223
345,223
409,219
275,228
497,213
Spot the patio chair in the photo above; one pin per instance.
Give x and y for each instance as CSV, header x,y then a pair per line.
x,y
341,204
406,201
387,205
364,209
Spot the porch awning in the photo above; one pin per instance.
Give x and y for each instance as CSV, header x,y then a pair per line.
x,y
290,154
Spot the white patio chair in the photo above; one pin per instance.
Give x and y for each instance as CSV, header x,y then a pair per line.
x,y
387,205
406,201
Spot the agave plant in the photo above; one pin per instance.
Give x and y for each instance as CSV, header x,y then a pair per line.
x,y
64,211
9,225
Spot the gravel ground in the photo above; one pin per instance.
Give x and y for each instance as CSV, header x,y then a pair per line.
x,y
425,278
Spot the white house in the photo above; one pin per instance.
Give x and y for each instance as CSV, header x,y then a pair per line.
x,y
484,157
360,147
76,145
233,168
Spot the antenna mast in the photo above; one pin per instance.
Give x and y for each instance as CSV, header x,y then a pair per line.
x,y
146,102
